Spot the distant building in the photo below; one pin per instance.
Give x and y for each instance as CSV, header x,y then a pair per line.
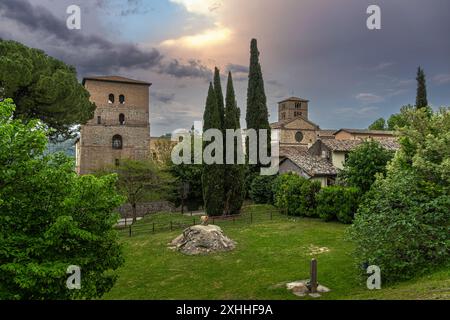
x,y
295,127
314,153
120,128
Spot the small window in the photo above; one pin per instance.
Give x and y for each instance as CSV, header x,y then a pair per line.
x,y
117,142
122,99
122,119
299,136
298,105
117,162
111,98
99,120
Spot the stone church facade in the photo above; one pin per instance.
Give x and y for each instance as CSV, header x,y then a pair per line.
x,y
314,153
120,128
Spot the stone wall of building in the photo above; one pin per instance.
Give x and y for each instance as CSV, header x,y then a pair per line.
x,y
128,119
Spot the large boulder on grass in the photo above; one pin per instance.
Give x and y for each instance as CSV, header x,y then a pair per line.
x,y
202,239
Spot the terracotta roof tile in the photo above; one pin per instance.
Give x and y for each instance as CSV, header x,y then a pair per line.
x,y
312,165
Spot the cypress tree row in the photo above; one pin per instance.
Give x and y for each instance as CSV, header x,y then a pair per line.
x,y
421,98
212,176
257,116
234,173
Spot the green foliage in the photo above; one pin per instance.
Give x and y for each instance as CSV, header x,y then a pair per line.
x,y
296,195
398,120
401,228
379,124
363,163
43,88
136,179
235,173
257,116
212,177
421,98
338,203
261,190
190,174
402,225
219,96
51,218
425,146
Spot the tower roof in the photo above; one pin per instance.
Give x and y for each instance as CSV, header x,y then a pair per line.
x,y
294,99
116,79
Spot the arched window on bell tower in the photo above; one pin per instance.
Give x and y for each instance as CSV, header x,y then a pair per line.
x,y
122,99
122,119
111,98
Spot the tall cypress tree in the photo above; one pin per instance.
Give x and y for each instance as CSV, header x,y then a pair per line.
x,y
234,177
421,98
219,95
212,176
257,116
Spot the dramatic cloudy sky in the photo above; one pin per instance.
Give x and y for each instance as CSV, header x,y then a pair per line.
x,y
320,50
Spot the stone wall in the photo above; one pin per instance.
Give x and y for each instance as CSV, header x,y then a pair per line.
x,y
147,208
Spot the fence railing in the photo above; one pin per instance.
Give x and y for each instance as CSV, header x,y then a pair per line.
x,y
181,222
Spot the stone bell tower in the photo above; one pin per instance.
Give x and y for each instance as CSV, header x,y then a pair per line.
x,y
120,128
293,108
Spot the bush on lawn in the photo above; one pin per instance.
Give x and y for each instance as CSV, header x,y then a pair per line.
x,y
261,189
296,195
337,203
402,224
402,228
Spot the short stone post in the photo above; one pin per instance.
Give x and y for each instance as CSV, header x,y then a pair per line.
x,y
313,276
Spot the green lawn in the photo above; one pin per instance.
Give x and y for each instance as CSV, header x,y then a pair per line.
x,y
269,253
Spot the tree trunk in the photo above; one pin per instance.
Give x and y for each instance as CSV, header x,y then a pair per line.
x,y
134,212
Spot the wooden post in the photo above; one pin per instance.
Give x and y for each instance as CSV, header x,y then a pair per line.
x,y
251,216
313,277
130,230
271,215
193,222
153,227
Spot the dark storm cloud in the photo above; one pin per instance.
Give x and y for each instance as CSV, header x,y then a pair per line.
x,y
237,68
193,69
163,96
99,55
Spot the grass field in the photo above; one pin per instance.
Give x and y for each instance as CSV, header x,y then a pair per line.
x,y
269,254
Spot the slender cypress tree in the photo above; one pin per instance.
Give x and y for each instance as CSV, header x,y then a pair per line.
x,y
421,99
257,116
212,176
234,173
219,95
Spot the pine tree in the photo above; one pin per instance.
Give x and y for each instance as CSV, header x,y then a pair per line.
x,y
212,176
257,116
421,99
234,173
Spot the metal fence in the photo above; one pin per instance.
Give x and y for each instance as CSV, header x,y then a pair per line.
x,y
152,227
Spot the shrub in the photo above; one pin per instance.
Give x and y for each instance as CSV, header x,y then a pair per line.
x,y
261,189
402,227
296,195
367,160
337,203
